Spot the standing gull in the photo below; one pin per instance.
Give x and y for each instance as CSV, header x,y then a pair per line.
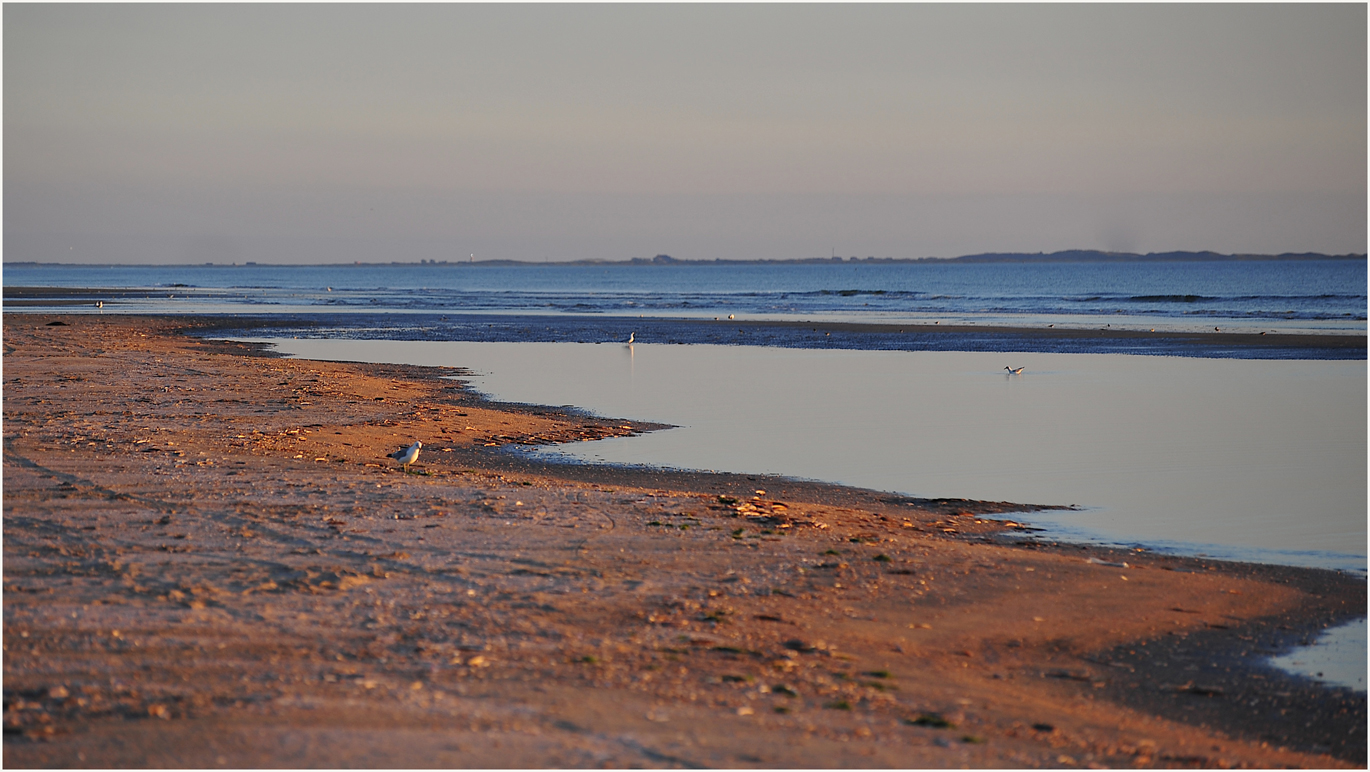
x,y
407,456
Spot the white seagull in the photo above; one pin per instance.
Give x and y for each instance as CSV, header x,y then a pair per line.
x,y
1012,371
407,456
630,338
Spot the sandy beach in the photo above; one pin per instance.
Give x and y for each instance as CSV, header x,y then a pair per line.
x,y
210,561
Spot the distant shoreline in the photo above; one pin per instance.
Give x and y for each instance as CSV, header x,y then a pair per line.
x,y
1065,256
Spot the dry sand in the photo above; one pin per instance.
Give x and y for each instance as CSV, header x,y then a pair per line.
x,y
210,562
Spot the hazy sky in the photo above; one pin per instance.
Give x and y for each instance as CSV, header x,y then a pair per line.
x,y
321,133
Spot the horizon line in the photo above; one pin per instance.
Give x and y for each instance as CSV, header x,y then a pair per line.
x,y
1063,256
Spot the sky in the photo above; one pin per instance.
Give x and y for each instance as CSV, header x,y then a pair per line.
x,y
321,133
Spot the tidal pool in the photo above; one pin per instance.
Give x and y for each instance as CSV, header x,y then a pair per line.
x,y
1235,459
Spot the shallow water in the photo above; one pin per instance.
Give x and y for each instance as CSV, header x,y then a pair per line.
x,y
1247,460
1337,658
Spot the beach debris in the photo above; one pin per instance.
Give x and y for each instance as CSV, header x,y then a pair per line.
x,y
1193,688
933,720
772,514
805,647
1098,562
1069,675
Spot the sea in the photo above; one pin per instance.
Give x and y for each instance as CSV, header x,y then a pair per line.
x,y
1170,442
1274,296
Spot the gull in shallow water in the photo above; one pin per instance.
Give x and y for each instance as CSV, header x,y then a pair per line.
x,y
407,456
630,338
1013,371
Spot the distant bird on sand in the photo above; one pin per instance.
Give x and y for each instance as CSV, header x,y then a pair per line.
x,y
1014,371
407,456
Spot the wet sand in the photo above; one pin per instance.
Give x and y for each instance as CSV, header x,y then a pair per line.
x,y
1225,343
210,562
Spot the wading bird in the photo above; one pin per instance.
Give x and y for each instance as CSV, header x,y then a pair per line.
x,y
1012,371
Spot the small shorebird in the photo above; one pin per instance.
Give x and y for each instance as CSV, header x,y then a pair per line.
x,y
407,456
630,338
1012,371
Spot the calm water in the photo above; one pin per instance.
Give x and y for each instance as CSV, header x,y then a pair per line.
x,y
1338,657
1282,296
